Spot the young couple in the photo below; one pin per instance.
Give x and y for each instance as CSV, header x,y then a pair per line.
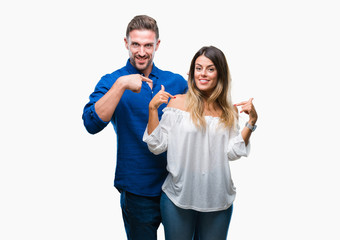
x,y
185,182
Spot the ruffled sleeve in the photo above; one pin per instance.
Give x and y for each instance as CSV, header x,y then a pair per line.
x,y
236,145
158,140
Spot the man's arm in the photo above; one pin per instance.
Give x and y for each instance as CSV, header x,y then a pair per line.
x,y
106,106
104,100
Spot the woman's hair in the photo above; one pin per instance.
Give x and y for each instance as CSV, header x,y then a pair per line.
x,y
221,94
142,22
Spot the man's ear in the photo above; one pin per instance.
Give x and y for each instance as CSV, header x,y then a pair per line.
x,y
126,43
157,44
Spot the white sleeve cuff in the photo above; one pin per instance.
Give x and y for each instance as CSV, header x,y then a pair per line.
x,y
237,148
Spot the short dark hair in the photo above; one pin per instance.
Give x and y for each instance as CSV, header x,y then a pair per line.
x,y
142,22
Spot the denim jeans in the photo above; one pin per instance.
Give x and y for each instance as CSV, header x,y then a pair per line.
x,y
179,224
141,216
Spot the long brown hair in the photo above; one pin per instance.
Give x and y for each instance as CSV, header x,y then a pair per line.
x,y
221,94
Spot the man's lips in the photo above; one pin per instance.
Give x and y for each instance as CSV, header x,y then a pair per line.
x,y
141,60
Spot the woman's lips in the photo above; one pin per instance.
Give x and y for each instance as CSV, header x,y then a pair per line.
x,y
203,81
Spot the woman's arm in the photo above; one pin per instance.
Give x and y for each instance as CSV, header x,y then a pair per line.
x,y
248,108
160,98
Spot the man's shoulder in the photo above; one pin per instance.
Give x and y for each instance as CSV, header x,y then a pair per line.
x,y
169,74
115,74
173,78
121,71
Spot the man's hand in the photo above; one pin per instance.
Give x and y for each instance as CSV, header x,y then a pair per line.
x,y
133,82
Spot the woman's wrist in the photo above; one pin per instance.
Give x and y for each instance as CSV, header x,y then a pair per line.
x,y
153,108
252,121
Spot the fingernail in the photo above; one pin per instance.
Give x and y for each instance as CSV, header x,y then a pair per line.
x,y
174,97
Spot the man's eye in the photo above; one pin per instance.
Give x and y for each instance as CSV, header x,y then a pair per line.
x,y
135,44
148,45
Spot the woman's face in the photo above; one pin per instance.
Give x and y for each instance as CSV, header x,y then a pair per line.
x,y
205,75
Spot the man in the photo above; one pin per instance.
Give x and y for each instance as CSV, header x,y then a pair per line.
x,y
122,98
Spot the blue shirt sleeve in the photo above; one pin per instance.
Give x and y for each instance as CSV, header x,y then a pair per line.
x,y
92,122
183,83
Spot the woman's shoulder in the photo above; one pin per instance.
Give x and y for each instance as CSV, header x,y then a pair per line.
x,y
178,102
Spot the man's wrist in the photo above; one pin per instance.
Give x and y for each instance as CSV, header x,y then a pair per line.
x,y
121,83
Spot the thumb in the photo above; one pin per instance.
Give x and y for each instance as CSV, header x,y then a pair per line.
x,y
162,88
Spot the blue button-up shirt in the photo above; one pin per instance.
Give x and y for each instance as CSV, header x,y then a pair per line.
x,y
138,170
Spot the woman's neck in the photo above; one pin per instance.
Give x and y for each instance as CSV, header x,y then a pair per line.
x,y
212,109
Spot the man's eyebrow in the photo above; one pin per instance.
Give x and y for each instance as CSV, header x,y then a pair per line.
x,y
149,43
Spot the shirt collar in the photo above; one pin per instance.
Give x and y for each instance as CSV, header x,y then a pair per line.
x,y
131,69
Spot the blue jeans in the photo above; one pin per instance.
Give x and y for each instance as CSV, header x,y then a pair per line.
x,y
179,224
141,216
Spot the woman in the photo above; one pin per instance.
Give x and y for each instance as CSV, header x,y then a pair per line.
x,y
199,130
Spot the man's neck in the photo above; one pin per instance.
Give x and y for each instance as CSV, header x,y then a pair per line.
x,y
147,71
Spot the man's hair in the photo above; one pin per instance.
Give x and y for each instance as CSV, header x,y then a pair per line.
x,y
142,22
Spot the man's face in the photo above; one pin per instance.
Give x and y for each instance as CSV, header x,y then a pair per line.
x,y
142,45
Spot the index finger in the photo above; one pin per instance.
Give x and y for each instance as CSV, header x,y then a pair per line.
x,y
244,102
145,79
241,103
169,95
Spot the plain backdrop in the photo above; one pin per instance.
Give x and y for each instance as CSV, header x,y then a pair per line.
x,y
56,180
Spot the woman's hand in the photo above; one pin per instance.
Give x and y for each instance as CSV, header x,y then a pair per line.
x,y
248,108
161,97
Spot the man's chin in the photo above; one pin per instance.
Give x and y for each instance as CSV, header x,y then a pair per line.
x,y
142,67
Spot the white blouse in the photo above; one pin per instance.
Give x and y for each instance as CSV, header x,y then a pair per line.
x,y
198,161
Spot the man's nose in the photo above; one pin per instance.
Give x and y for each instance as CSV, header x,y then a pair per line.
x,y
142,51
